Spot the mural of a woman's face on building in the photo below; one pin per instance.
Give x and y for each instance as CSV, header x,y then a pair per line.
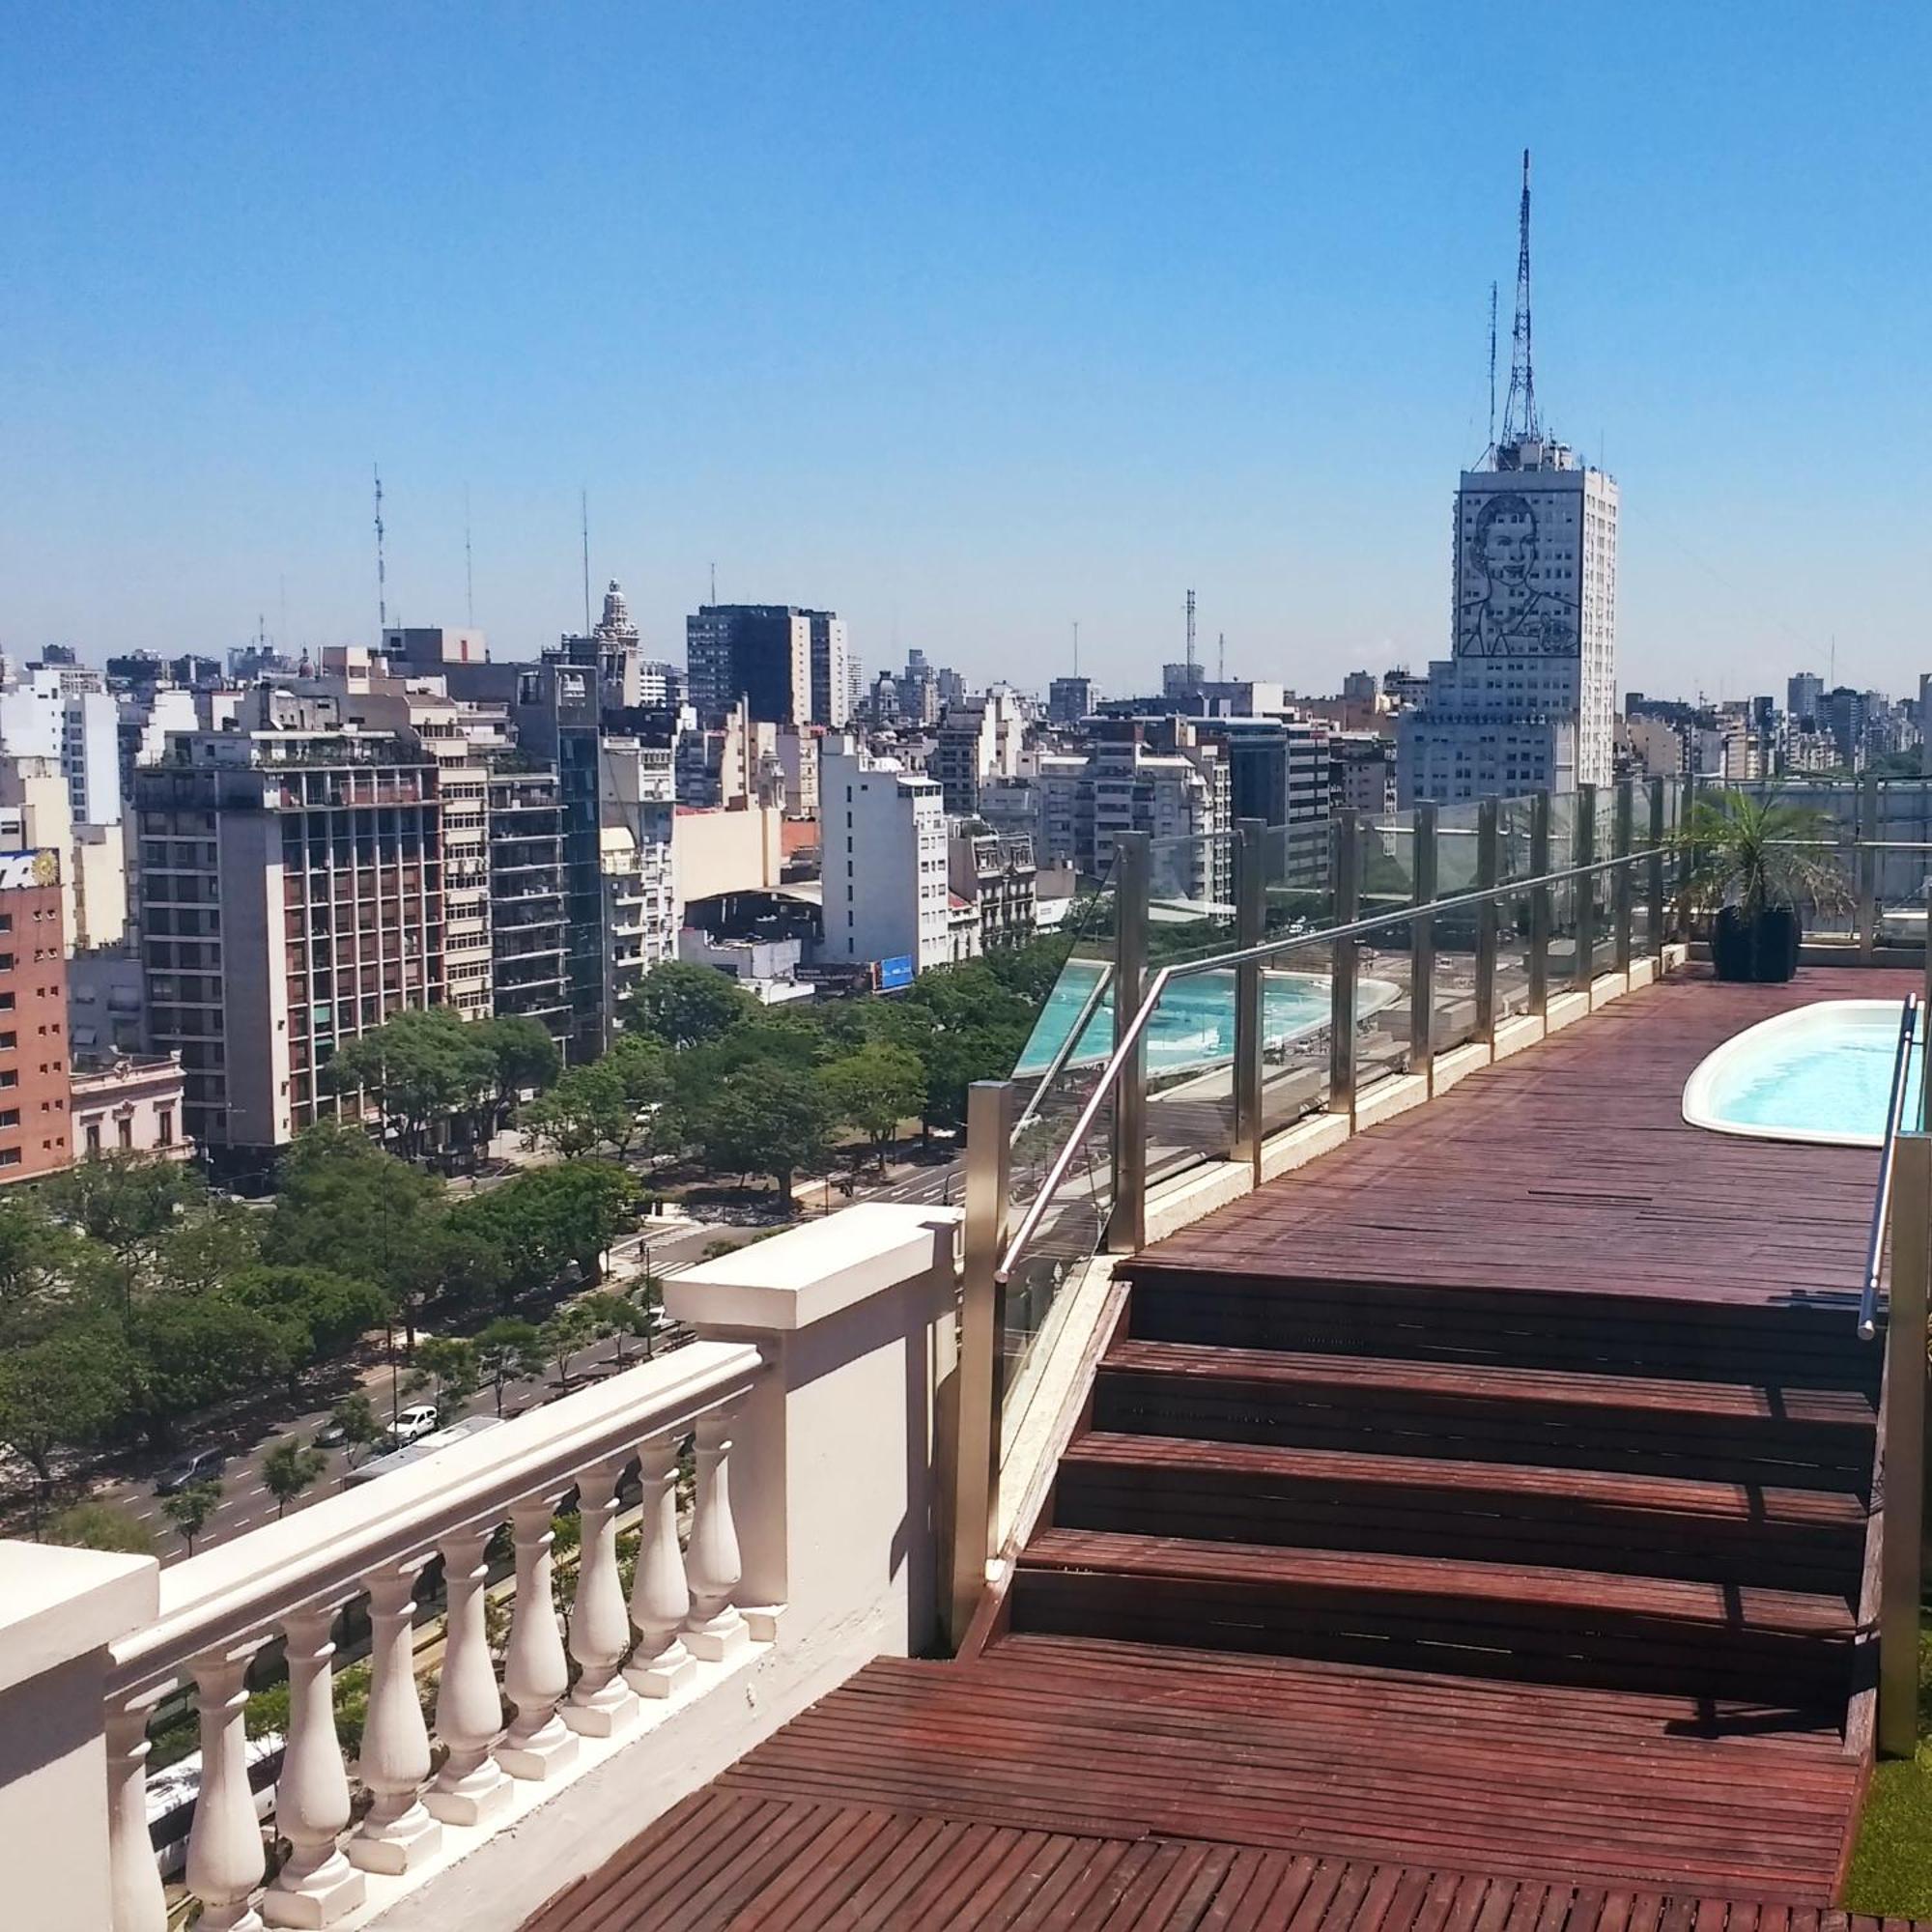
x,y
1506,540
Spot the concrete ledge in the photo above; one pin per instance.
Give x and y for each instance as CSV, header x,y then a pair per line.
x,y
1195,1195
1513,1035
1642,972
1387,1099
1608,986
1564,1008
1457,1065
58,1604
1296,1146
1676,957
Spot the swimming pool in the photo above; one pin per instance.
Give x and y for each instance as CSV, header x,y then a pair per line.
x,y
1820,1073
1194,1024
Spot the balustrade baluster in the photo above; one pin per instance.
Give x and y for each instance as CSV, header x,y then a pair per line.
x,y
660,1595
714,1629
471,1787
318,1886
600,1628
225,1864
133,1880
536,1672
394,1763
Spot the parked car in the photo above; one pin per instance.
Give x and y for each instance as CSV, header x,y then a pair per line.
x,y
330,1435
203,1466
412,1423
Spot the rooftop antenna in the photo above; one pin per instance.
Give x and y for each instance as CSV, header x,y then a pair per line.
x,y
469,565
1520,424
1077,648
584,517
382,572
1220,657
1190,637
1493,365
714,583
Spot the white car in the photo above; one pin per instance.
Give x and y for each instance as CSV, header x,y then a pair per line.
x,y
413,1424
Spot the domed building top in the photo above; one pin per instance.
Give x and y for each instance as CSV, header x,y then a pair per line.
x,y
617,613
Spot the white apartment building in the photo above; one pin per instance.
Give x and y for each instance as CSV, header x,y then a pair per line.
x,y
1181,799
883,831
1528,700
66,712
979,740
638,819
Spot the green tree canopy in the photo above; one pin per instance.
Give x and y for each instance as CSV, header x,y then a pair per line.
x,y
542,1221
70,1390
875,1089
189,1509
762,1119
193,1351
683,1006
289,1468
318,1313
424,1065
508,1350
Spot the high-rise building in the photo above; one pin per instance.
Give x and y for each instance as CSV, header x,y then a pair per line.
x,y
1525,700
1804,699
36,1128
979,740
292,898
791,667
528,938
1069,700
883,836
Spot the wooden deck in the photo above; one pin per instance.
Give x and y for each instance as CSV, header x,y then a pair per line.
x,y
1470,1533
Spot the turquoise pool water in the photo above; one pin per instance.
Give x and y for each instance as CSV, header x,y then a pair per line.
x,y
1195,1023
1821,1073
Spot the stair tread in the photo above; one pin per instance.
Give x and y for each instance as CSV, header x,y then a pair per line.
x,y
1713,1606
1747,1502
1191,1361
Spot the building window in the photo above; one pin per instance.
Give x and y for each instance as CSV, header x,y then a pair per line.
x,y
164,1126
124,1132
10,1116
94,1136
9,1157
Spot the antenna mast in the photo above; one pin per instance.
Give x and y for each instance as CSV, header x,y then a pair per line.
x,y
584,515
1520,422
714,583
1220,657
1190,637
469,565
1493,365
1077,648
381,573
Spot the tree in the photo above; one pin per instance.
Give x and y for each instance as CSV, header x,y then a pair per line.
x,y
69,1390
92,1525
508,1350
423,1065
874,1090
189,1509
37,1253
615,1315
541,1222
572,1327
194,1350
524,1054
586,1110
354,1415
126,1202
761,1120
684,1006
447,1366
204,1250
319,1314
289,1468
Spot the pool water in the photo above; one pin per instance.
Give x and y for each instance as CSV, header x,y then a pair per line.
x,y
1820,1073
1194,1024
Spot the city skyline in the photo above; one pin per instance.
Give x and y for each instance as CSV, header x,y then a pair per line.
x,y
995,331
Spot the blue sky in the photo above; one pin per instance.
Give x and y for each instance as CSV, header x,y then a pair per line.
x,y
969,321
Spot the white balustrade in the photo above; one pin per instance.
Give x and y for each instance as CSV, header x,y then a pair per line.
x,y
601,1703
536,1672
133,1880
471,1787
660,1595
225,1864
716,1627
318,1884
394,1762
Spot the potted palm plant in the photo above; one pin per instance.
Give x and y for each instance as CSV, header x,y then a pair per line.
x,y
1755,862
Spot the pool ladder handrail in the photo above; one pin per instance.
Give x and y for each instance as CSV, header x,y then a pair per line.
x,y
1901,1062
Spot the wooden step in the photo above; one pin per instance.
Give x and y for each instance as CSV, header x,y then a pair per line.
x,y
1711,1432
1633,1335
1810,1540
1473,1619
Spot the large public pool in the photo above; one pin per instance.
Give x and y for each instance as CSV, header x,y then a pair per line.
x,y
1194,1025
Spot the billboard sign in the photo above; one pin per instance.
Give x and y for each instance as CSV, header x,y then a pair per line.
x,y
896,974
19,871
1518,572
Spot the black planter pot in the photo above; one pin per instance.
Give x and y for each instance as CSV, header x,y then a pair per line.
x,y
1761,947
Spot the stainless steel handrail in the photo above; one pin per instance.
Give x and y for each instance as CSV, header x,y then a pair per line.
x,y
1901,1062
1356,929
1065,1051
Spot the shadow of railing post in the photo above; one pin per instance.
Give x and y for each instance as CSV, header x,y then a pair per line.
x,y
1901,1476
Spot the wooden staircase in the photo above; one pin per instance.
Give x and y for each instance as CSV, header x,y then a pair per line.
x,y
1615,1495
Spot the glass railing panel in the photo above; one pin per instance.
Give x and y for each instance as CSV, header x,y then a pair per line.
x,y
1513,914
1190,1074
1454,927
1562,898
1298,994
1384,972
1190,897
1298,865
1387,840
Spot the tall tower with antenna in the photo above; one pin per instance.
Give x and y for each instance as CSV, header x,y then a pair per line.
x,y
1492,444
1193,668
1520,421
381,569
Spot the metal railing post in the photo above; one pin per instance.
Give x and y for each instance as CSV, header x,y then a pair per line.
x,y
1624,880
1539,903
1342,979
1489,872
1250,987
1655,883
1583,969
983,1327
1902,1478
1868,836
1126,1221
1422,943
